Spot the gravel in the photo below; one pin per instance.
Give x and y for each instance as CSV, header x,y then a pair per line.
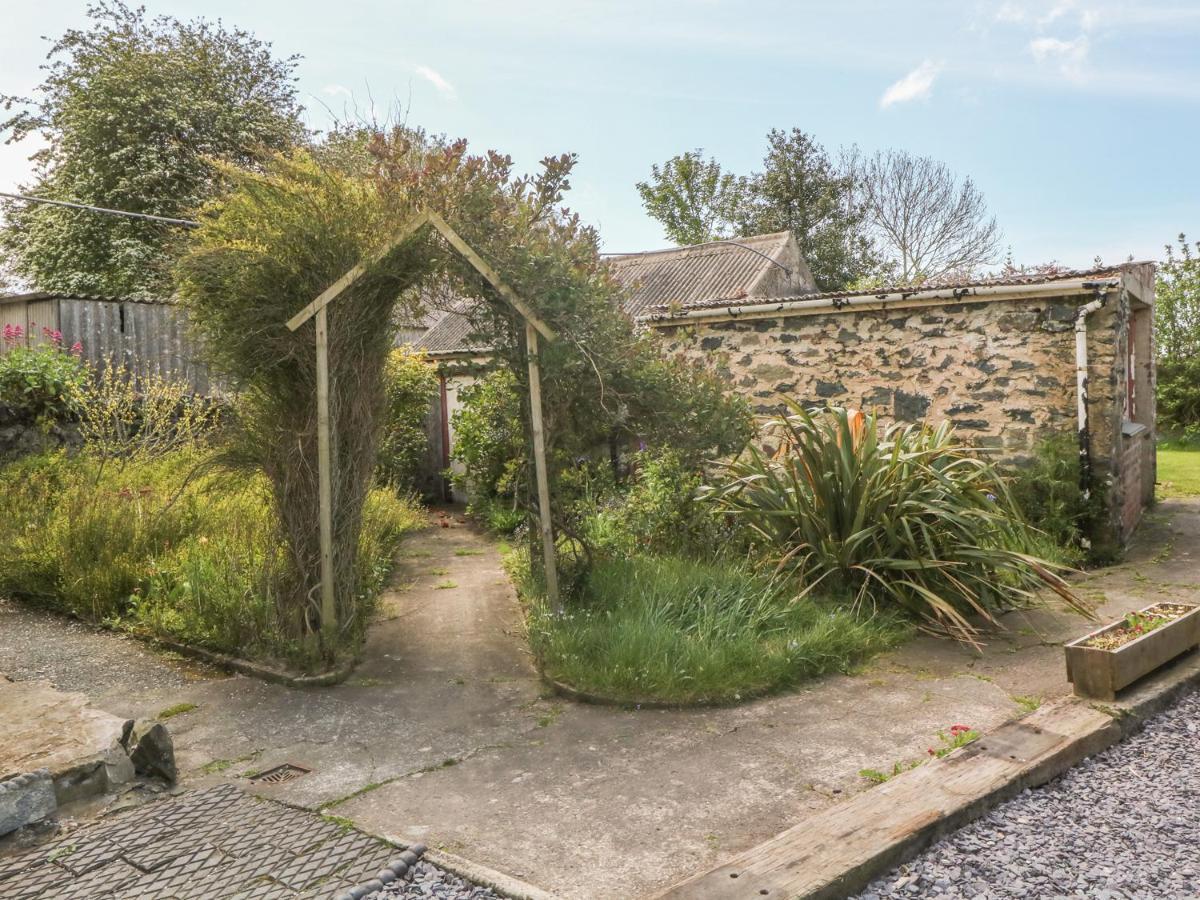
x,y
426,880
1120,826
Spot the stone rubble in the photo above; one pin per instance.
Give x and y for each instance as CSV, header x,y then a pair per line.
x,y
426,881
1121,826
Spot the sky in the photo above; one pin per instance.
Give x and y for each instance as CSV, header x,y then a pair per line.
x,y
1078,120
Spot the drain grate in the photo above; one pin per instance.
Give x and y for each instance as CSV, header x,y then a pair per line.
x,y
280,774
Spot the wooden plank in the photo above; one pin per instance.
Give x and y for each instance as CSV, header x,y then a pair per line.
x,y
325,483
539,464
331,293
839,850
491,275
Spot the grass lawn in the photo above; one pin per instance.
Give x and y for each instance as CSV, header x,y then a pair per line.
x,y
1178,472
681,631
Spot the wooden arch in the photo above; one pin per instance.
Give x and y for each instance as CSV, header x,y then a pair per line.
x,y
533,327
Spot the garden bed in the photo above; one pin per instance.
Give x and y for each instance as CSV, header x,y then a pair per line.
x,y
1111,658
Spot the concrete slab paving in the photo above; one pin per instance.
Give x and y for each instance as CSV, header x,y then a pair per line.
x,y
443,733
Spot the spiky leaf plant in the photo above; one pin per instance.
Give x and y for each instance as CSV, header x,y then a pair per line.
x,y
900,515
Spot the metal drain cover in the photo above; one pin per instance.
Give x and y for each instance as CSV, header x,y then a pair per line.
x,y
280,774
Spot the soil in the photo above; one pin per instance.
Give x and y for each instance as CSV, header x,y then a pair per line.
x,y
1138,624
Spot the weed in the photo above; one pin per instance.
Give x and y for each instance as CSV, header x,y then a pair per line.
x,y
217,765
60,852
440,570
959,736
467,551
445,585
340,821
177,710
550,717
1027,702
897,768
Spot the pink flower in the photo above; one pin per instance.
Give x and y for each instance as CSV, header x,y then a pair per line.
x,y
77,348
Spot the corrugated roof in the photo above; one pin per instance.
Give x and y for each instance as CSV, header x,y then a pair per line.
x,y
727,270
683,276
452,333
68,295
1033,277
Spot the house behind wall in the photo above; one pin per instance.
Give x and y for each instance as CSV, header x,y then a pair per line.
x,y
1001,369
995,357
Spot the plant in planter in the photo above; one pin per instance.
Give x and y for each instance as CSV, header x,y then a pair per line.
x,y
1103,662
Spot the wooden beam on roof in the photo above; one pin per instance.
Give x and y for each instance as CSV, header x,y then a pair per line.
x,y
492,276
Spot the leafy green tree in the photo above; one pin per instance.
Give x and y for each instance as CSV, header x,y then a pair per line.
x,y
1177,337
135,112
800,189
693,198
1177,302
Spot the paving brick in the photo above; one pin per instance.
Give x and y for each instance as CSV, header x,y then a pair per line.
x,y
99,882
79,858
327,860
38,881
166,882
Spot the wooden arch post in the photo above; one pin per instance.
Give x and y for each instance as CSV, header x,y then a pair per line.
x,y
533,327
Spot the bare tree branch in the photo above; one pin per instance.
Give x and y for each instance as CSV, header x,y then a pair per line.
x,y
927,223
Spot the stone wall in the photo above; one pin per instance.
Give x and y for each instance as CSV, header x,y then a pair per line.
x,y
1002,371
21,436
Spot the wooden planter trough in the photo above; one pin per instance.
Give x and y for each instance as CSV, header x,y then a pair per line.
x,y
1099,673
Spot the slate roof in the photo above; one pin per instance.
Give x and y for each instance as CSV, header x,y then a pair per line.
x,y
1034,277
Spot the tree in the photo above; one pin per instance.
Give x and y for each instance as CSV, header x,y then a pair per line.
x,y
693,199
927,224
136,111
1177,303
803,191
281,236
800,190
1177,339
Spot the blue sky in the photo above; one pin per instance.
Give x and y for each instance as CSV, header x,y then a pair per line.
x,y
1079,120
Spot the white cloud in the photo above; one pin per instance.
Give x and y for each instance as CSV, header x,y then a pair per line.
x,y
336,90
916,85
1011,13
444,87
1067,56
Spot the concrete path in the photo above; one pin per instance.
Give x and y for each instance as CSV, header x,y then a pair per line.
x,y
442,736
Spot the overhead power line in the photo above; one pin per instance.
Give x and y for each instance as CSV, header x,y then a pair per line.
x,y
186,223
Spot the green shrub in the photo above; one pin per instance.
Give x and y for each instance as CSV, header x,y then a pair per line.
x,y
682,631
170,546
489,439
40,383
906,517
657,513
1179,398
409,384
1046,491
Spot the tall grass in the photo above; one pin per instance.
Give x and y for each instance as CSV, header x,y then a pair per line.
x,y
680,631
902,516
168,546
